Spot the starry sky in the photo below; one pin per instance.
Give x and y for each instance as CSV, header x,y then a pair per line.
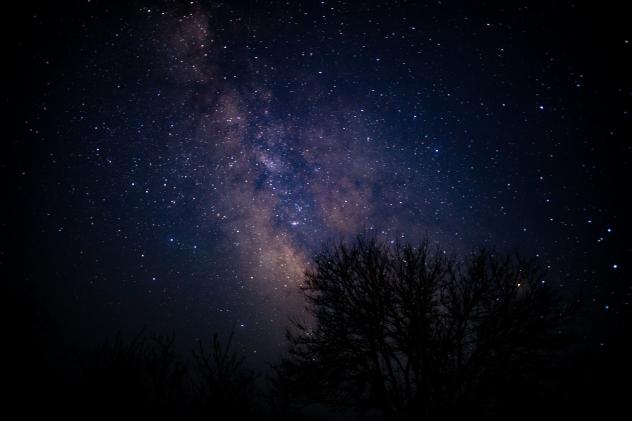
x,y
176,164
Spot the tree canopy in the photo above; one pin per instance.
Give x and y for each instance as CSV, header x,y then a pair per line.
x,y
413,331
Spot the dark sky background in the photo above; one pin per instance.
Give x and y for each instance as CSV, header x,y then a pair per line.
x,y
175,165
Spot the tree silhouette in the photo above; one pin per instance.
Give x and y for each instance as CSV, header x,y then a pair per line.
x,y
416,333
146,377
143,376
223,387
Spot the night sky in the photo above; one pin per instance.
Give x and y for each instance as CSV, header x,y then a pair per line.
x,y
176,165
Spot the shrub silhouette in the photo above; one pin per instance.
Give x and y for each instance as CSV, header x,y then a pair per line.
x,y
415,333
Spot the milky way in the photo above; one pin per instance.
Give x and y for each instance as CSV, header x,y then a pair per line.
x,y
280,176
192,157
280,179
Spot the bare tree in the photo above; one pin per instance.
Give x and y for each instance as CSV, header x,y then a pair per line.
x,y
223,386
143,376
414,332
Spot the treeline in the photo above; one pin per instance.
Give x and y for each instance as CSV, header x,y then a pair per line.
x,y
392,332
